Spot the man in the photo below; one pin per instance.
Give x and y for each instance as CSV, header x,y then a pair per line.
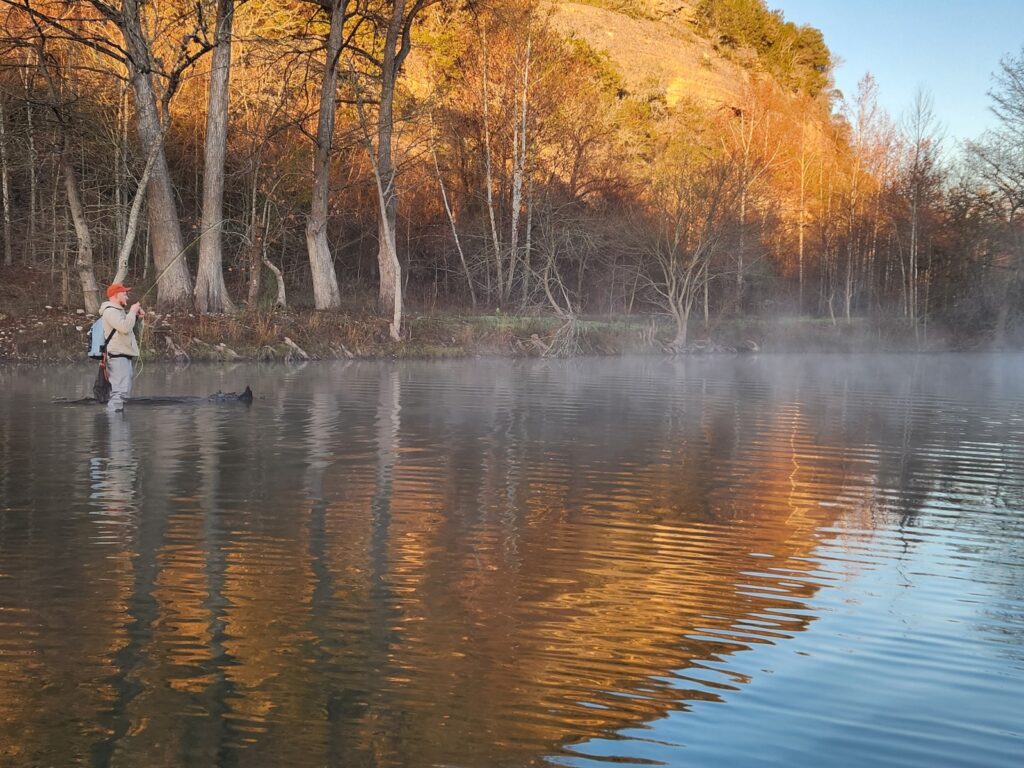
x,y
122,348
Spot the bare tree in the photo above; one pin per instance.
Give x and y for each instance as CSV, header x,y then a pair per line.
x,y
397,45
211,293
84,22
174,284
753,143
325,281
998,161
519,145
1008,95
485,99
49,65
1008,173
690,218
5,186
33,157
86,274
921,178
451,217
131,225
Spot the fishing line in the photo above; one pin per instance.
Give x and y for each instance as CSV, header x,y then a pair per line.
x,y
156,282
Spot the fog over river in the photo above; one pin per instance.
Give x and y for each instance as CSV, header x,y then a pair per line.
x,y
772,560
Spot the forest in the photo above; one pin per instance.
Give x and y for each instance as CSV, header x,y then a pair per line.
x,y
427,155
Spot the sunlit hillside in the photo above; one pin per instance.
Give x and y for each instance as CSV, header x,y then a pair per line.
x,y
654,54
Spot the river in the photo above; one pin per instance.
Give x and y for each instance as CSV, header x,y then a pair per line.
x,y
765,561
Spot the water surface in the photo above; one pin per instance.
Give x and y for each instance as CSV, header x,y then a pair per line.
x,y
791,561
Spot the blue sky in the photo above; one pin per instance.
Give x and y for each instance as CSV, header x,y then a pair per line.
x,y
949,47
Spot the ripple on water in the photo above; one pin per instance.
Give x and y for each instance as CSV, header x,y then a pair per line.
x,y
499,563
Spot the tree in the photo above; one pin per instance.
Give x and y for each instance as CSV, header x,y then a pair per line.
x,y
695,196
62,110
5,186
321,263
174,284
998,158
920,181
396,23
753,143
86,23
210,293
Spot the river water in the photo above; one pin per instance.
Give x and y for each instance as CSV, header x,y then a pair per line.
x,y
787,561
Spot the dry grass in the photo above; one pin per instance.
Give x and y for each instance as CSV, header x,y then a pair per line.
x,y
32,330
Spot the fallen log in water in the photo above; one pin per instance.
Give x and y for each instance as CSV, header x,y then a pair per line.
x,y
218,397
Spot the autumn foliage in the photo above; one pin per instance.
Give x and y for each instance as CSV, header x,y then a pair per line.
x,y
502,155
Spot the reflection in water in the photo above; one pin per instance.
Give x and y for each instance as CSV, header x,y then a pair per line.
x,y
501,563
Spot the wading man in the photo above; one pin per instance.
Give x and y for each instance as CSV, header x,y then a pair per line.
x,y
122,349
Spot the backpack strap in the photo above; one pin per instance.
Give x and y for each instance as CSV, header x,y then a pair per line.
x,y
105,357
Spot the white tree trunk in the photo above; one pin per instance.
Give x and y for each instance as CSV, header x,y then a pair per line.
x,y
84,263
132,225
389,268
211,293
519,170
325,282
174,284
487,165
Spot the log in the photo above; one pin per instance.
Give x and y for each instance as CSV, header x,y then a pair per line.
x,y
245,398
299,351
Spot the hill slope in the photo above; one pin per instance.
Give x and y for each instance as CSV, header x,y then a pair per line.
x,y
655,56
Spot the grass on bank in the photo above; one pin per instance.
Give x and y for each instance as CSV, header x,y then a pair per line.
x,y
35,328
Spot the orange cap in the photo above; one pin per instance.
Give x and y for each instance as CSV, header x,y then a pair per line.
x,y
115,289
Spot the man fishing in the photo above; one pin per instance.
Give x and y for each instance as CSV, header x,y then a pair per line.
x,y
122,349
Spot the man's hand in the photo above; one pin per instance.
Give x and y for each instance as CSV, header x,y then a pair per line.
x,y
138,310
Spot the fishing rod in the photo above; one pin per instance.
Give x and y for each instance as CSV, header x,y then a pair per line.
x,y
177,256
160,274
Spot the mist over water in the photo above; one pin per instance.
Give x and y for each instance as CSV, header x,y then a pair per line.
x,y
779,560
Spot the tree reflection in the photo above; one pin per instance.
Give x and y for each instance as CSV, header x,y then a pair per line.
x,y
418,565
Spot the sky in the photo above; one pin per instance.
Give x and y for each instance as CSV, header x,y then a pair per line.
x,y
948,47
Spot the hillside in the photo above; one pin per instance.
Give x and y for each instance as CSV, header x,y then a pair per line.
x,y
697,49
654,55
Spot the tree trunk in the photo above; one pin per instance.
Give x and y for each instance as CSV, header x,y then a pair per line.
x,y
255,261
741,246
30,244
682,317
174,285
451,222
518,170
800,254
132,225
528,246
488,181
707,305
120,167
6,189
281,300
1011,286
321,264
211,293
390,289
86,275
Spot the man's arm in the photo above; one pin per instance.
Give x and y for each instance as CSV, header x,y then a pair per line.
x,y
121,324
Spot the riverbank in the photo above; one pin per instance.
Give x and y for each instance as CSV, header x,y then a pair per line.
x,y
35,330
55,334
